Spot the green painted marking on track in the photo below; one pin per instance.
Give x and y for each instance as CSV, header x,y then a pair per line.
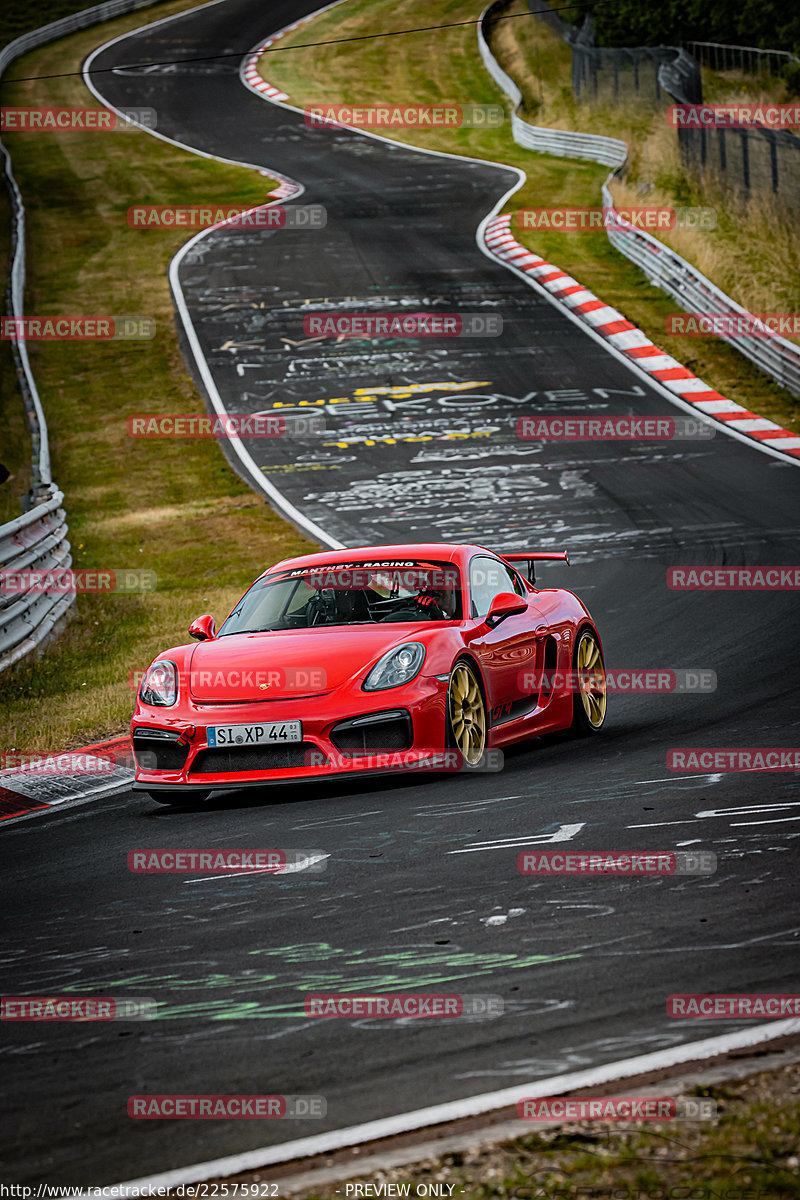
x,y
311,967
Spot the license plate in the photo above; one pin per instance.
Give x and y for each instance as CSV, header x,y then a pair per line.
x,y
268,733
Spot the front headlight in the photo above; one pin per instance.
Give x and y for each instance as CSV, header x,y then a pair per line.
x,y
396,667
160,684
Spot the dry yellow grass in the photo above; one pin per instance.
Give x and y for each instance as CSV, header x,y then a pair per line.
x,y
753,254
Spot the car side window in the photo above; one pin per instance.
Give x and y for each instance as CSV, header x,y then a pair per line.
x,y
516,582
487,579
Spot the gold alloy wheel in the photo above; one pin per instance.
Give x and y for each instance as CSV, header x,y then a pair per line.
x,y
592,679
467,713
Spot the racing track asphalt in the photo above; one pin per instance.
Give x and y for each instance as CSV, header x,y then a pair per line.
x,y
584,967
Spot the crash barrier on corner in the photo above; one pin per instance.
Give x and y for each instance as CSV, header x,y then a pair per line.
x,y
695,293
38,539
569,144
34,542
747,60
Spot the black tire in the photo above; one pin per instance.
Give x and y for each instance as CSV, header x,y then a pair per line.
x,y
467,716
176,800
589,701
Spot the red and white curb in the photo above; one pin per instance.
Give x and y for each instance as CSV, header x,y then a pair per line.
x,y
250,71
63,777
629,340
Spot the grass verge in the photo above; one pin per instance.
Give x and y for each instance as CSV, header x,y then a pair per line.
x,y
754,253
174,507
428,68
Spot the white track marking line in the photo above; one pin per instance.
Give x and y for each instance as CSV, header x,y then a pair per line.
x,y
747,809
779,821
711,776
663,824
290,869
744,810
337,1139
565,833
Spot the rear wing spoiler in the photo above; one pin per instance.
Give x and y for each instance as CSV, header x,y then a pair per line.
x,y
531,558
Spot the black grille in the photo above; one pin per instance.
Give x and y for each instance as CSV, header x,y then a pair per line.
x,y
376,734
257,758
159,753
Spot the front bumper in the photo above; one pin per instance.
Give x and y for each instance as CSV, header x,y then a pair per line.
x,y
362,732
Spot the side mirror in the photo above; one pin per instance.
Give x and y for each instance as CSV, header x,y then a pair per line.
x,y
202,628
505,604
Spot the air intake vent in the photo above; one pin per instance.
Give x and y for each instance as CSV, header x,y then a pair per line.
x,y
375,733
158,750
257,758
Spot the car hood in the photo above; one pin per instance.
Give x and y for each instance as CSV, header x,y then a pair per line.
x,y
276,665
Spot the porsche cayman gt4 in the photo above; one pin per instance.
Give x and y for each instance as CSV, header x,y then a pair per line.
x,y
372,659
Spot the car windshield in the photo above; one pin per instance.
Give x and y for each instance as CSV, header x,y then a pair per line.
x,y
348,594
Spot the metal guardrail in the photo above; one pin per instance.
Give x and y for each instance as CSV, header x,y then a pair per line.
x,y
697,294
537,137
37,540
567,144
503,81
694,292
722,56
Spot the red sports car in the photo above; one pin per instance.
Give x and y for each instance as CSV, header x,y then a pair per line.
x,y
373,659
